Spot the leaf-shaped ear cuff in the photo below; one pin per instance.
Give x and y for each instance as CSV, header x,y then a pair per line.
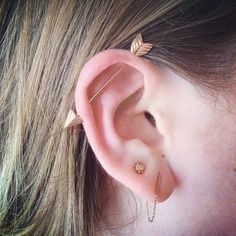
x,y
139,48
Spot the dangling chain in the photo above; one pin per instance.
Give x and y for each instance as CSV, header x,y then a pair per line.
x,y
150,219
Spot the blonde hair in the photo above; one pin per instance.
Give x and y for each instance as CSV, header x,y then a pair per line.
x,y
50,181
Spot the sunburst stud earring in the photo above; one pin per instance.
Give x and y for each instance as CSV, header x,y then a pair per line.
x,y
139,168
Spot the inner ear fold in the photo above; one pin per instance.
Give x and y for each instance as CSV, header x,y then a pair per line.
x,y
133,122
119,110
121,93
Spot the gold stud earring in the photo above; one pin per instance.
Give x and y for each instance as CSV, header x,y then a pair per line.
x,y
139,168
150,219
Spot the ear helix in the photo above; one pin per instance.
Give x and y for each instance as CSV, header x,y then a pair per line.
x,y
139,48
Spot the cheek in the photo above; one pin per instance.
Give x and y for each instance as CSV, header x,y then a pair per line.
x,y
200,144
202,164
206,151
203,160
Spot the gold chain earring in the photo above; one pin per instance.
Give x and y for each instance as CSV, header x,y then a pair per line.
x,y
150,219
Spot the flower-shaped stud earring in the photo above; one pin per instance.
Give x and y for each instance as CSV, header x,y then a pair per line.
x,y
139,168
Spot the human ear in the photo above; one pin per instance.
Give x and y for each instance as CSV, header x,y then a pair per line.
x,y
116,121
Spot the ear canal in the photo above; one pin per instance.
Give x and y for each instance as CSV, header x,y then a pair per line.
x,y
150,118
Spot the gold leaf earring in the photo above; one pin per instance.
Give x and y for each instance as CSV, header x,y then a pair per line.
x,y
151,218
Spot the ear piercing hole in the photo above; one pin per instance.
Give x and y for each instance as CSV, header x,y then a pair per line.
x,y
150,118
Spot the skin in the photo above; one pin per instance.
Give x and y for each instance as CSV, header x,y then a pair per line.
x,y
199,142
194,130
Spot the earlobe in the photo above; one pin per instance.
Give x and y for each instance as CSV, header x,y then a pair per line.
x,y
118,131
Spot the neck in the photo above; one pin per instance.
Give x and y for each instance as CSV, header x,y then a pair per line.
x,y
127,215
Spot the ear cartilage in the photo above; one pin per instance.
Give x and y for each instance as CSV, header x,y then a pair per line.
x,y
139,48
139,168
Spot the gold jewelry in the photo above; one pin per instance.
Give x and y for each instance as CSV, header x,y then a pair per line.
x,y
139,48
139,167
150,219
